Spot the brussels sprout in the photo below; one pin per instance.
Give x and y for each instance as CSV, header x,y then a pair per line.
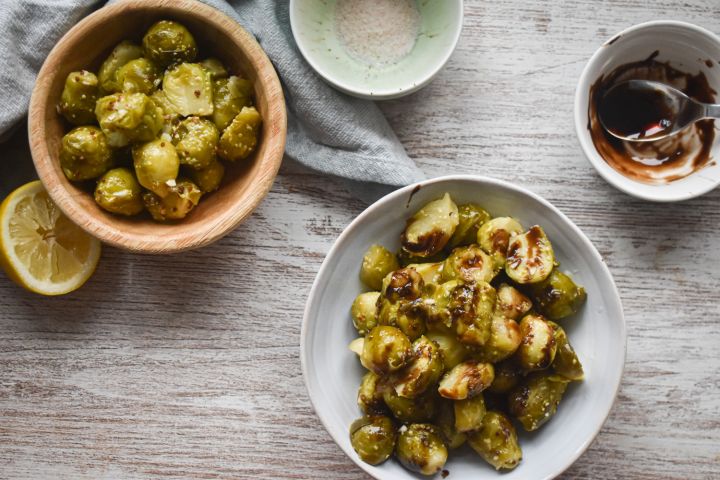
x,y
215,67
121,54
530,257
422,371
538,347
84,154
536,399
195,140
504,339
377,263
430,229
370,395
453,352
507,376
494,237
511,303
168,42
240,138
139,75
469,413
208,178
436,306
445,421
156,166
407,316
418,409
430,272
406,259
472,308
469,264
386,349
364,312
420,448
466,380
128,118
566,362
373,438
471,217
169,114
189,89
77,101
230,95
119,192
404,284
557,296
176,204
496,441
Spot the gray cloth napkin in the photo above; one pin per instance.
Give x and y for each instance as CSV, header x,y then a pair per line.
x,y
327,131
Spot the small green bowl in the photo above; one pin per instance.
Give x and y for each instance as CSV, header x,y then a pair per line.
x,y
313,26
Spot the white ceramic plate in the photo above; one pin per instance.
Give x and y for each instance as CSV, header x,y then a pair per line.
x,y
332,373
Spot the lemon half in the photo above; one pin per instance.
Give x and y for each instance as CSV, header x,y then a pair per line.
x,y
40,248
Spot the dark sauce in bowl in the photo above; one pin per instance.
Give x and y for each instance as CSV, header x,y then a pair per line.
x,y
660,161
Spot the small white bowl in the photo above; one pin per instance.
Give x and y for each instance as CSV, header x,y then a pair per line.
x,y
687,47
332,372
313,26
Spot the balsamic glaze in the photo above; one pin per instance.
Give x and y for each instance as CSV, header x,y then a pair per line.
x,y
636,113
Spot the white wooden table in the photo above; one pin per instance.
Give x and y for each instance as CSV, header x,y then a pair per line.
x,y
188,366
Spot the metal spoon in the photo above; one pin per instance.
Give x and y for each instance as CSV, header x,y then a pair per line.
x,y
646,111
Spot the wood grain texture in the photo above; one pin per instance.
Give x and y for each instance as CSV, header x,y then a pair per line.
x,y
245,184
187,366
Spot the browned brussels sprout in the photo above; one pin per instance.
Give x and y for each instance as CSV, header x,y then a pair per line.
x,y
77,101
364,312
536,399
377,263
373,438
406,410
507,376
420,448
471,217
504,340
511,303
403,284
566,362
530,257
471,307
453,352
466,380
496,441
469,264
538,346
430,229
494,237
385,350
422,371
370,395
557,296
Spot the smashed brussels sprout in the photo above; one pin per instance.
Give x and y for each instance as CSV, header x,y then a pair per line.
x,y
240,138
84,154
466,380
128,118
156,166
196,140
230,95
430,229
188,88
123,53
377,263
373,438
119,192
77,101
177,202
167,42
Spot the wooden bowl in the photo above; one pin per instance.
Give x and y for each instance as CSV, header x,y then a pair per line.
x,y
245,184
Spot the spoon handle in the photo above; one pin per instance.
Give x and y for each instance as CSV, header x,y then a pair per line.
x,y
712,110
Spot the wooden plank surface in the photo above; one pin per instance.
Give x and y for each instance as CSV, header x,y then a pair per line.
x,y
188,366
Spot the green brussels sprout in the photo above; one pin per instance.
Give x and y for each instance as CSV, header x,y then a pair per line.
x,y
469,264
405,315
176,204
123,53
208,178
84,154
170,116
215,67
557,296
240,138
420,448
469,413
404,284
230,95
566,362
471,217
530,257
511,303
466,380
195,140
496,441
386,349
430,228
453,352
373,438
128,118
156,166
168,42
494,237
188,88
119,192
364,312
504,339
436,307
77,101
472,308
422,371
406,259
430,272
445,421
507,376
418,409
538,346
536,399
138,76
370,395
377,263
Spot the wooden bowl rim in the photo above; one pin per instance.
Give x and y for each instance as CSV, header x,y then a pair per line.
x,y
204,232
